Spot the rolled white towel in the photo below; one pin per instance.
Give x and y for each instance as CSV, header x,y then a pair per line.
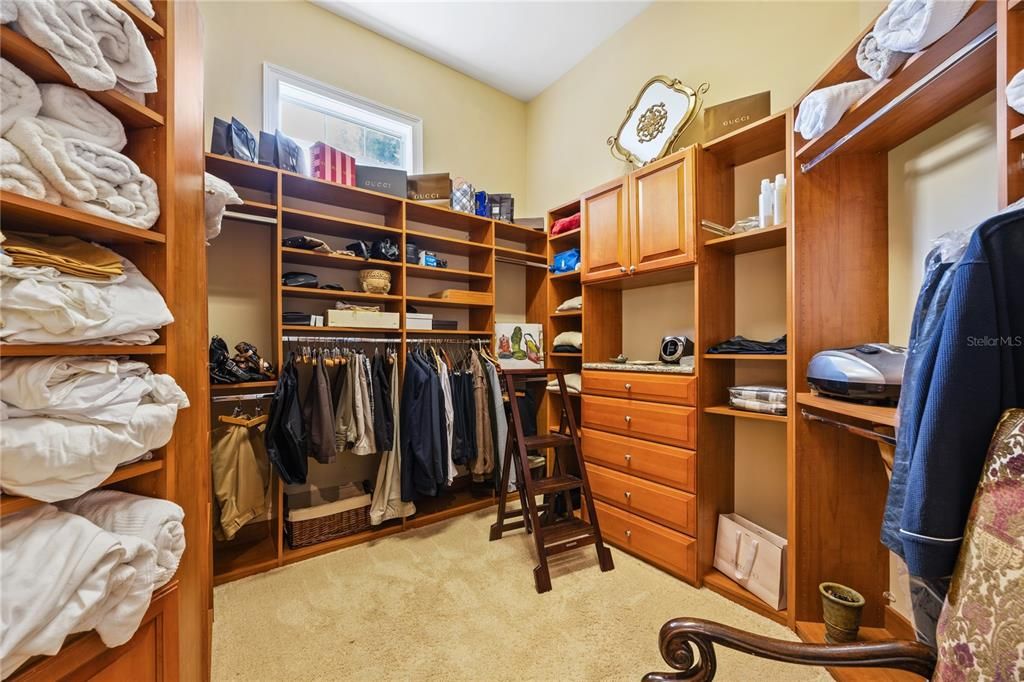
x,y
19,177
821,110
72,113
913,25
19,96
877,61
48,24
219,194
157,521
46,151
1015,93
123,192
119,39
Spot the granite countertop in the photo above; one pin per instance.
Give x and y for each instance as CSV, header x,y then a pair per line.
x,y
660,368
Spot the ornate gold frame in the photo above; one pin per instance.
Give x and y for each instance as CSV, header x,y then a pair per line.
x,y
696,102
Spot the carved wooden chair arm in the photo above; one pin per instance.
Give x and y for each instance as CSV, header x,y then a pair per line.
x,y
679,638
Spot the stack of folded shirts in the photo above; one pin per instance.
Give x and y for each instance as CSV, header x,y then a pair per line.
x,y
68,422
66,254
43,304
568,342
573,384
764,399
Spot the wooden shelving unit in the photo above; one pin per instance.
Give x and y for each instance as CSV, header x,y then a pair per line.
x,y
716,581
875,414
753,240
558,289
726,411
164,139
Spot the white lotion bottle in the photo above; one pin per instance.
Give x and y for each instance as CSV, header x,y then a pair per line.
x,y
764,204
779,204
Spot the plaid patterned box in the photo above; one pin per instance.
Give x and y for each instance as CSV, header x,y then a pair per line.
x,y
332,164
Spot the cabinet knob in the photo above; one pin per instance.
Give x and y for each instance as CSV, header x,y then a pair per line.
x,y
629,387
632,269
628,457
629,533
628,419
628,494
622,268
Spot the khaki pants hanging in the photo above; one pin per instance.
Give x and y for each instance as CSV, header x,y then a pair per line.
x,y
241,477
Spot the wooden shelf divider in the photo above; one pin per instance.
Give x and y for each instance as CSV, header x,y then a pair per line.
x,y
885,416
716,581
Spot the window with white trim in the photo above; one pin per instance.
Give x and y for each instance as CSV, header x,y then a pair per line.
x,y
309,111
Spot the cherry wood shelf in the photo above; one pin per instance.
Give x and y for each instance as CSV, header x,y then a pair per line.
x,y
565,239
12,350
1014,5
240,558
566,276
518,233
149,28
744,356
256,208
717,582
726,411
1018,132
567,313
243,386
565,210
337,330
333,260
320,223
751,142
439,216
875,414
754,240
303,292
10,504
447,274
519,254
444,303
566,355
814,633
451,245
297,186
42,68
243,174
25,214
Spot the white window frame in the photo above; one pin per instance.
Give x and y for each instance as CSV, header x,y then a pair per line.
x,y
274,75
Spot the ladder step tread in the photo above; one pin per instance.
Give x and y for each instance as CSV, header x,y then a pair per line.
x,y
555,484
550,440
567,529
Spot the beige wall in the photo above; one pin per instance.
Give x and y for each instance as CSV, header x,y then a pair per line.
x,y
738,47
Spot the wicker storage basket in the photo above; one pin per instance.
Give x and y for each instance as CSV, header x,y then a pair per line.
x,y
375,281
311,525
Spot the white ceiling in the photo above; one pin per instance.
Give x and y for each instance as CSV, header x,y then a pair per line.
x,y
517,47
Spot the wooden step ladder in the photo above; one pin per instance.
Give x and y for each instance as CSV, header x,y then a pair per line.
x,y
550,535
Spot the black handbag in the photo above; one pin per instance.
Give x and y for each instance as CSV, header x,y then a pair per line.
x,y
280,151
385,249
359,248
300,279
307,243
233,139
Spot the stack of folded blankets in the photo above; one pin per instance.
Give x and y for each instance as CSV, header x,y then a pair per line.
x,y
61,146
65,290
573,384
568,342
764,399
91,564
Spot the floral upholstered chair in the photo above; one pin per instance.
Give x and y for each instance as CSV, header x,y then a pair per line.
x,y
981,628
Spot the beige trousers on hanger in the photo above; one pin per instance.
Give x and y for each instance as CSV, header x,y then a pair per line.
x,y
241,477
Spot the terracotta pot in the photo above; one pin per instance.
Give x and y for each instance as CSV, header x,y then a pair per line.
x,y
842,607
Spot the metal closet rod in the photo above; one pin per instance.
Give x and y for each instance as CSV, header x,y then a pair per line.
x,y
946,65
240,398
250,217
343,339
449,339
855,430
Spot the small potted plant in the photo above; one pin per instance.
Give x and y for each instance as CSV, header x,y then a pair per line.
x,y
842,607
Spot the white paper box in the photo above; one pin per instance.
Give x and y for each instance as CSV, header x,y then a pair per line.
x,y
753,557
419,320
362,319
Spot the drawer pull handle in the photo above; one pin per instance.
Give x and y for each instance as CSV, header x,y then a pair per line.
x,y
622,268
628,419
628,494
629,387
632,269
628,457
629,533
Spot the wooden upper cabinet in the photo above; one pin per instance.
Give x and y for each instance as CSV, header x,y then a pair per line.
x,y
662,213
605,238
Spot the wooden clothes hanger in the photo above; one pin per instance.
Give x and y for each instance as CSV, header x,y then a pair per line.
x,y
238,419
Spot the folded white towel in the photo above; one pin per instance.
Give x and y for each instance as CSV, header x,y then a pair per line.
x,y
877,61
119,39
144,6
574,303
47,152
157,521
573,383
219,194
19,95
569,338
1015,93
821,110
18,176
123,192
74,114
48,24
913,25
62,574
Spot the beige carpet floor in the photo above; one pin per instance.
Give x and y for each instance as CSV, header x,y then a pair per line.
x,y
443,603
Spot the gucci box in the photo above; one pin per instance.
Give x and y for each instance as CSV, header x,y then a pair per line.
x,y
386,180
430,187
728,116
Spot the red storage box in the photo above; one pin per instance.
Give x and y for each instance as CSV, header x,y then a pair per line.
x,y
332,164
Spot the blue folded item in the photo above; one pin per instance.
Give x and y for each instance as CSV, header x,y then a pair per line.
x,y
566,261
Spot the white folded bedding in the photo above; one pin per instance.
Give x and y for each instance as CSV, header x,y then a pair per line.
x,y
1015,93
41,305
46,152
84,389
144,6
19,96
821,110
123,192
157,521
19,177
62,574
57,459
876,61
219,194
74,114
120,41
913,25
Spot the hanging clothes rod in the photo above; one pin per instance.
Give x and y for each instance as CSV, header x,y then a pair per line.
x,y
240,398
979,41
517,261
250,217
856,430
341,339
449,339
